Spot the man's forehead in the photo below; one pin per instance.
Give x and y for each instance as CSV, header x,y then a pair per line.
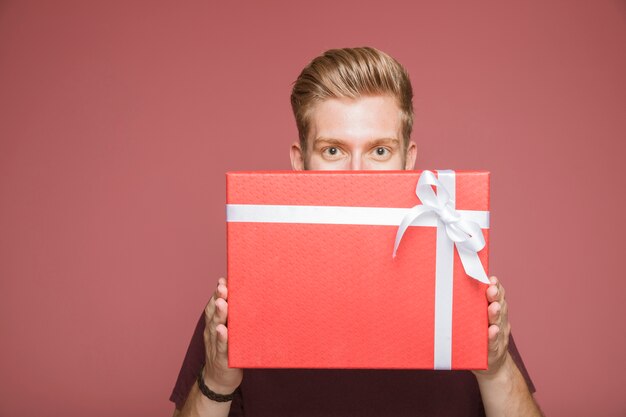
x,y
366,118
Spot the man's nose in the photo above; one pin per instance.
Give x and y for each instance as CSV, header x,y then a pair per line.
x,y
355,163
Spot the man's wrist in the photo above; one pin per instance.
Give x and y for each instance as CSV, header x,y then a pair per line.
x,y
504,372
214,391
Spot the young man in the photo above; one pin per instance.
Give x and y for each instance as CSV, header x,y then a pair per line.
x,y
353,108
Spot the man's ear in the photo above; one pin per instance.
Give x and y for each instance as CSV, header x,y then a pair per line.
x,y
411,156
297,157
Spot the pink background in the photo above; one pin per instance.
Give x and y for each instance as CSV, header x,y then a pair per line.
x,y
119,119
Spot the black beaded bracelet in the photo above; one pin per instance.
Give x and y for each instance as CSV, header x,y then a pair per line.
x,y
220,398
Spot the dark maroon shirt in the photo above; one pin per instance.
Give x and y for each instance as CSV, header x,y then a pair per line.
x,y
335,392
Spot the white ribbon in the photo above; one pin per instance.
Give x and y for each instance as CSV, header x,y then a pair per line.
x,y
365,216
466,234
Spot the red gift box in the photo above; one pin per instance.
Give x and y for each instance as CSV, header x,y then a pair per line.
x,y
314,281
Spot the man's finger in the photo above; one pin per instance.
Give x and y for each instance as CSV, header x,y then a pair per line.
x,y
494,313
221,311
492,290
501,291
504,319
493,332
209,310
222,340
222,291
212,319
504,311
210,307
209,336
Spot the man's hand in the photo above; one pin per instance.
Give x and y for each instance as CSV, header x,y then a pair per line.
x,y
502,386
499,327
217,375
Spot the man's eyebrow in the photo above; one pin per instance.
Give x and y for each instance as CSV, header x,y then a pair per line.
x,y
384,141
330,141
373,142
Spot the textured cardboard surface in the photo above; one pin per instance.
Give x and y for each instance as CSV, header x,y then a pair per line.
x,y
332,296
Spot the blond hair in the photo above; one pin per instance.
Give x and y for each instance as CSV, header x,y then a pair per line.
x,y
351,73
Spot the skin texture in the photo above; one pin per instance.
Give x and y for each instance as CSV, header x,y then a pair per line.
x,y
362,134
348,134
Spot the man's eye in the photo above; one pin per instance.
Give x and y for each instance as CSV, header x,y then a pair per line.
x,y
382,152
331,151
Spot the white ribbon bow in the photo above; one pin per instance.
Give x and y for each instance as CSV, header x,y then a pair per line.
x,y
466,234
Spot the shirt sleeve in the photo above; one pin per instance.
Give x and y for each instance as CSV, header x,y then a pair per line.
x,y
517,358
192,364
